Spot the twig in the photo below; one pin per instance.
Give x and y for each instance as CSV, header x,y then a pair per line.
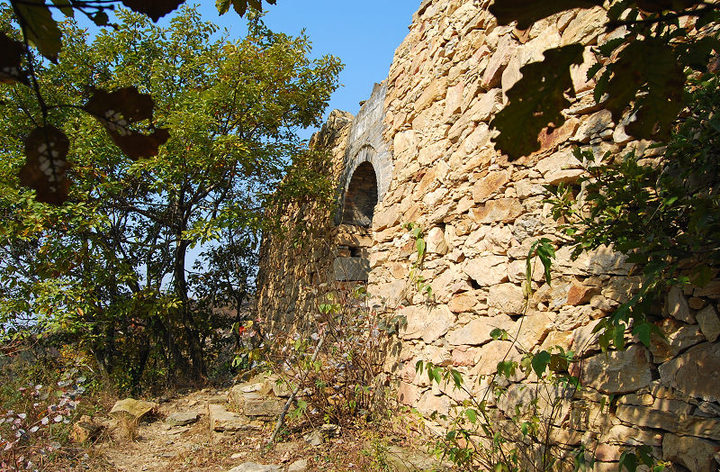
x,y
291,399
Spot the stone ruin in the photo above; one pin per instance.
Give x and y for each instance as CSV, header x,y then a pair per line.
x,y
419,151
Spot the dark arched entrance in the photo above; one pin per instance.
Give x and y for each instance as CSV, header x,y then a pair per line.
x,y
361,196
354,239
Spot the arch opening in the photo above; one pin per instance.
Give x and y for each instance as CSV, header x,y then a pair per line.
x,y
361,196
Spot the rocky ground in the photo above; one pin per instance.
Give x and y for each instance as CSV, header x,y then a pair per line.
x,y
227,431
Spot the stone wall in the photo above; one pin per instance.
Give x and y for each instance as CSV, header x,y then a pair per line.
x,y
481,213
297,258
315,252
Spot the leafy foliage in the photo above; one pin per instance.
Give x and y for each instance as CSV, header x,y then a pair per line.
x,y
663,213
116,110
645,68
108,268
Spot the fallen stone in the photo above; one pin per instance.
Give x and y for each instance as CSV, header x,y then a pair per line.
x,y
314,438
406,460
132,409
300,465
182,418
256,405
85,430
330,430
222,420
255,467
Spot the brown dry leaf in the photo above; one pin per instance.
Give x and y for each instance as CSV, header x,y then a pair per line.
x,y
117,111
11,52
155,9
46,164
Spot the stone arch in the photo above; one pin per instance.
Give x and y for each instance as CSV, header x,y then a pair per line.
x,y
361,196
365,161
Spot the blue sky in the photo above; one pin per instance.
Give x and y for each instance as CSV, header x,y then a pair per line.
x,y
362,33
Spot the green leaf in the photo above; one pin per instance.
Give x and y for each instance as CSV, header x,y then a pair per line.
x,y
420,247
526,114
642,331
498,333
117,111
222,6
697,54
619,337
594,69
527,12
39,27
540,362
628,461
457,378
471,414
558,363
65,7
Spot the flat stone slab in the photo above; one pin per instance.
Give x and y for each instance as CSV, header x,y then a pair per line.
x,y
182,418
222,420
255,405
135,409
254,467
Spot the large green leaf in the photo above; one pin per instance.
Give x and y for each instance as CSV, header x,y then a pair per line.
x,y
536,101
527,12
39,27
648,77
240,6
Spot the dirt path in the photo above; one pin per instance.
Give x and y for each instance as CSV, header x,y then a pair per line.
x,y
156,446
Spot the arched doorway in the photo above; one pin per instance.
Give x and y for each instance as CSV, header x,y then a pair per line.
x,y
354,239
361,196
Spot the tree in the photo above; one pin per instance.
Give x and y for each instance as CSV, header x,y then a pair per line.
x,y
109,266
124,113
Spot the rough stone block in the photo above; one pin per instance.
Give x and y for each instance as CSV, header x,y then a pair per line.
x,y
693,372
426,322
618,371
709,323
694,453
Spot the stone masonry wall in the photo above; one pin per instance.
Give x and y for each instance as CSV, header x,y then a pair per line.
x,y
480,214
296,260
426,132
